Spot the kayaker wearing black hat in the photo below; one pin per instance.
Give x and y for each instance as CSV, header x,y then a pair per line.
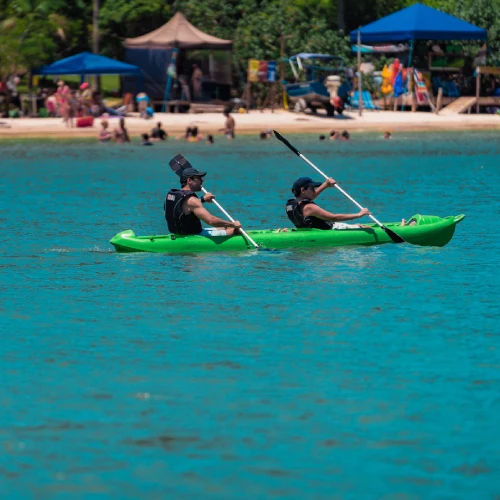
x,y
303,212
184,210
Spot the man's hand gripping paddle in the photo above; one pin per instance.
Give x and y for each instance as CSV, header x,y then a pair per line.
x,y
392,234
178,164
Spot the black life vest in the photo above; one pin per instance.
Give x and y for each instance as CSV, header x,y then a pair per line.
x,y
294,212
178,222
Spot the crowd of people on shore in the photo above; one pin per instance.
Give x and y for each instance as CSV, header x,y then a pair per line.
x,y
83,104
193,134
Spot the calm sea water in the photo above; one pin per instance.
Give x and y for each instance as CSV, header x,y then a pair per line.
x,y
333,373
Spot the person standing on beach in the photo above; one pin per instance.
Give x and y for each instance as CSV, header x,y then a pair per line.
x,y
196,81
62,94
86,98
303,212
120,133
229,126
184,210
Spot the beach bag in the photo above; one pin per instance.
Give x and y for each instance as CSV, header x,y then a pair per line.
x,y
85,121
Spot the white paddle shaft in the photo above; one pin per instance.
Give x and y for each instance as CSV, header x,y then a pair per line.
x,y
339,188
219,206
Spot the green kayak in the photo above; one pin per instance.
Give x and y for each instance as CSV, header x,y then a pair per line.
x,y
425,230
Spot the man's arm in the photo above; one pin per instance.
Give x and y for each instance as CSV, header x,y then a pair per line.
x,y
194,205
318,212
328,183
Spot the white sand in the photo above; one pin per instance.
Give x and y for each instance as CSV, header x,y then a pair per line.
x,y
256,121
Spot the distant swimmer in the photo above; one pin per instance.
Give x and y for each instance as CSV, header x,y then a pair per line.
x,y
192,134
303,212
158,134
145,140
229,125
184,210
104,134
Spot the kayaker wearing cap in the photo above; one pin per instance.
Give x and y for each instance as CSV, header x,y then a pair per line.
x,y
303,212
184,210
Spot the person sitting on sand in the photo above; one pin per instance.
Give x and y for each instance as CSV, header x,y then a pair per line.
x,y
184,210
51,104
104,134
303,212
158,134
120,134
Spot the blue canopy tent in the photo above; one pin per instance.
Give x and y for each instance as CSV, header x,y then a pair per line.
x,y
417,22
86,63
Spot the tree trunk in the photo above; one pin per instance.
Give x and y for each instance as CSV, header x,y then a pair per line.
x,y
341,15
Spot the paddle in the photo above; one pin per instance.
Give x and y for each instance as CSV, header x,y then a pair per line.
x,y
178,164
392,234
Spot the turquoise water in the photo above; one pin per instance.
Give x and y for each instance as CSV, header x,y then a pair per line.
x,y
333,373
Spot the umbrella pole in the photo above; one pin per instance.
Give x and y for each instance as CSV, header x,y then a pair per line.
x,y
170,76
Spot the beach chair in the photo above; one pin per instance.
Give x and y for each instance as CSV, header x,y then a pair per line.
x,y
421,92
367,100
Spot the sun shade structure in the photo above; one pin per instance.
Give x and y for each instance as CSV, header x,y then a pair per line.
x,y
87,63
418,22
177,33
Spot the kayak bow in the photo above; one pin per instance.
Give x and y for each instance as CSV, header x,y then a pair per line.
x,y
429,230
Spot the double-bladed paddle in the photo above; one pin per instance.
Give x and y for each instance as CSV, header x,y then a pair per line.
x,y
394,237
178,164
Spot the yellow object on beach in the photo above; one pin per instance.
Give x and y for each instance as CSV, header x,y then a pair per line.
x,y
253,70
386,87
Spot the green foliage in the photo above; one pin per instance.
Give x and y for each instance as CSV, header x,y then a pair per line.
x,y
258,35
482,13
120,19
362,12
34,32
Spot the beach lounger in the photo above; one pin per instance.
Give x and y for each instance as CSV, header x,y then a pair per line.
x,y
367,100
421,92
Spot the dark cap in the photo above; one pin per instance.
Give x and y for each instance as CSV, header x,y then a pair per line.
x,y
303,182
191,172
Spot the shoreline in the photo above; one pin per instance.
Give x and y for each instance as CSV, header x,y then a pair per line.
x,y
256,121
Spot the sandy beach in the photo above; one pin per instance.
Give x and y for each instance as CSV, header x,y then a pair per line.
x,y
256,121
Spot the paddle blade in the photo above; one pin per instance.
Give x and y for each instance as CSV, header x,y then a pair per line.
x,y
394,237
286,143
178,163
